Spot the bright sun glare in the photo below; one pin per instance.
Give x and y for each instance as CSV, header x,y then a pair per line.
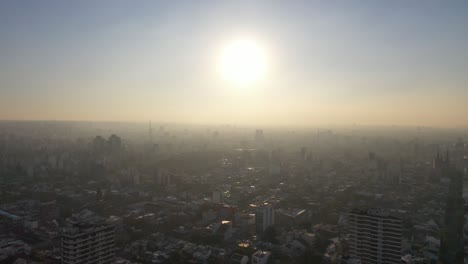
x,y
243,62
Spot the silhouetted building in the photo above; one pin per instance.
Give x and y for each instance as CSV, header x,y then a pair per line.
x,y
375,236
264,218
259,137
150,133
162,178
88,240
99,144
115,143
440,163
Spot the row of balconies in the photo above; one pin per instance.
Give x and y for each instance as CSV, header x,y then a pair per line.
x,y
85,236
87,244
89,258
363,223
367,260
375,254
385,236
374,251
364,230
396,243
373,246
88,251
374,223
96,231
77,243
373,218
366,236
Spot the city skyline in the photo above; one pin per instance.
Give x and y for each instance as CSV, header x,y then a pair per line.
x,y
233,132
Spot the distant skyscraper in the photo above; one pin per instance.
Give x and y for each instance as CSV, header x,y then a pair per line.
x,y
259,137
115,143
99,144
440,163
275,163
162,178
441,166
375,236
150,132
264,218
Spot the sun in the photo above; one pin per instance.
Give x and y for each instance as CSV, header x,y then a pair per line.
x,y
243,62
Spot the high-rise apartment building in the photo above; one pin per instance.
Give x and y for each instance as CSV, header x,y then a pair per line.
x,y
88,241
259,137
264,218
375,236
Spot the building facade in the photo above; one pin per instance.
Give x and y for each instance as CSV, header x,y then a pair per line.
x,y
88,244
264,218
375,236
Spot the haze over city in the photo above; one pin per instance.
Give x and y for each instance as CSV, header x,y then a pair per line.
x,y
366,62
233,132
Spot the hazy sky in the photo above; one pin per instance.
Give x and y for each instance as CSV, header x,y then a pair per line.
x,y
330,62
